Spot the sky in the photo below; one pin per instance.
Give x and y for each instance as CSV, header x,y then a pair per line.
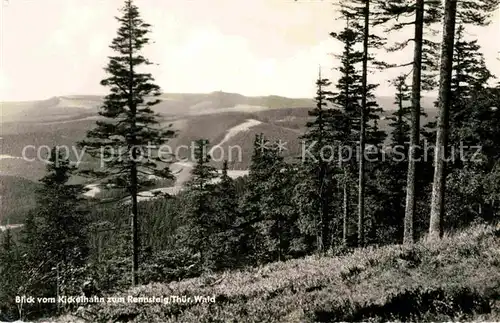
x,y
259,47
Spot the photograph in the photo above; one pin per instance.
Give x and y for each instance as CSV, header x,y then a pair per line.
x,y
290,161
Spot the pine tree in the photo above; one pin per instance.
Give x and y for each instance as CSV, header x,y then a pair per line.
x,y
400,125
356,95
362,16
439,183
469,78
201,211
348,98
250,203
319,166
56,234
226,237
130,126
424,14
470,75
63,213
279,213
254,225
349,94
476,12
362,130
464,12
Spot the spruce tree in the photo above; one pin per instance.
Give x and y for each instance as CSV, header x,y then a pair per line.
x,y
362,15
469,76
126,141
363,121
255,225
464,12
250,203
55,237
201,212
279,212
63,213
439,183
401,122
476,12
391,176
423,15
355,96
226,237
348,94
347,97
484,128
319,163
399,119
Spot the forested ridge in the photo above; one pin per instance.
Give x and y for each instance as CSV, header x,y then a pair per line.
x,y
413,210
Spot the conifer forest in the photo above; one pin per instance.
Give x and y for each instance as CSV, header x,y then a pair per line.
x,y
342,206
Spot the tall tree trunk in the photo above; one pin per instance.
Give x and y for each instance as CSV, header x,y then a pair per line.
x,y
135,228
134,191
325,223
345,188
345,207
133,169
415,127
439,184
362,132
325,219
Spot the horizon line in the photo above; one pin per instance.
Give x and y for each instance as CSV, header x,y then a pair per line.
x,y
183,93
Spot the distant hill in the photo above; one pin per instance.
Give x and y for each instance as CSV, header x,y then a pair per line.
x,y
76,107
65,120
226,119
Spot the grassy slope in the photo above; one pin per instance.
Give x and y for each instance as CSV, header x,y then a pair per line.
x,y
425,282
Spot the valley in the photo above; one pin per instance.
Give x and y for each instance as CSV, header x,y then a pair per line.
x,y
227,120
